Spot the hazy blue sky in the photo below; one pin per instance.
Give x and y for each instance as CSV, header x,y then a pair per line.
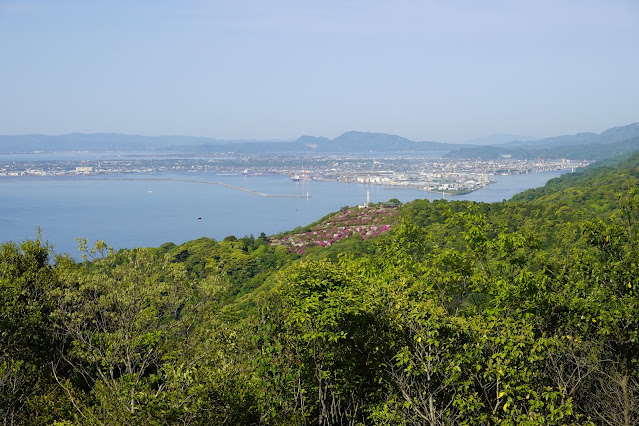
x,y
444,70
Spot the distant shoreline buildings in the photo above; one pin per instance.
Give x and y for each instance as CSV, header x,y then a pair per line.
x,y
441,175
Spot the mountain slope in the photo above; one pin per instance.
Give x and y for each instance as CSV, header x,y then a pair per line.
x,y
590,146
592,187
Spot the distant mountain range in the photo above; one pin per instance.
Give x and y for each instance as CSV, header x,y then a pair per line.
x,y
590,146
348,142
103,142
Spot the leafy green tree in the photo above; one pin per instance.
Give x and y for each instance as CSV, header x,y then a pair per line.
x,y
127,326
330,327
26,339
598,306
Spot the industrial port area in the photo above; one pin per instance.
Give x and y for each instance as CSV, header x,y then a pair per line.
x,y
411,171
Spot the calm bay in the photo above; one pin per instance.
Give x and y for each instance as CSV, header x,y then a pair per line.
x,y
142,210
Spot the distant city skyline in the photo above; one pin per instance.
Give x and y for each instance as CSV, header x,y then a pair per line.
x,y
446,71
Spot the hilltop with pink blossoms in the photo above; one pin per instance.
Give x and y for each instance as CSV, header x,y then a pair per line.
x,y
366,223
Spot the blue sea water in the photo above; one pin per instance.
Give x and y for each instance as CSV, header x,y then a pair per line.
x,y
136,211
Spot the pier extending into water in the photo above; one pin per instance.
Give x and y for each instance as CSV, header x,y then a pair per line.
x,y
261,194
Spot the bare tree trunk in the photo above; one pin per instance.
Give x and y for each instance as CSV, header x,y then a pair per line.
x,y
623,383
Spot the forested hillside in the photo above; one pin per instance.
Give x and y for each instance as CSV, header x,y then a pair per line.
x,y
520,312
